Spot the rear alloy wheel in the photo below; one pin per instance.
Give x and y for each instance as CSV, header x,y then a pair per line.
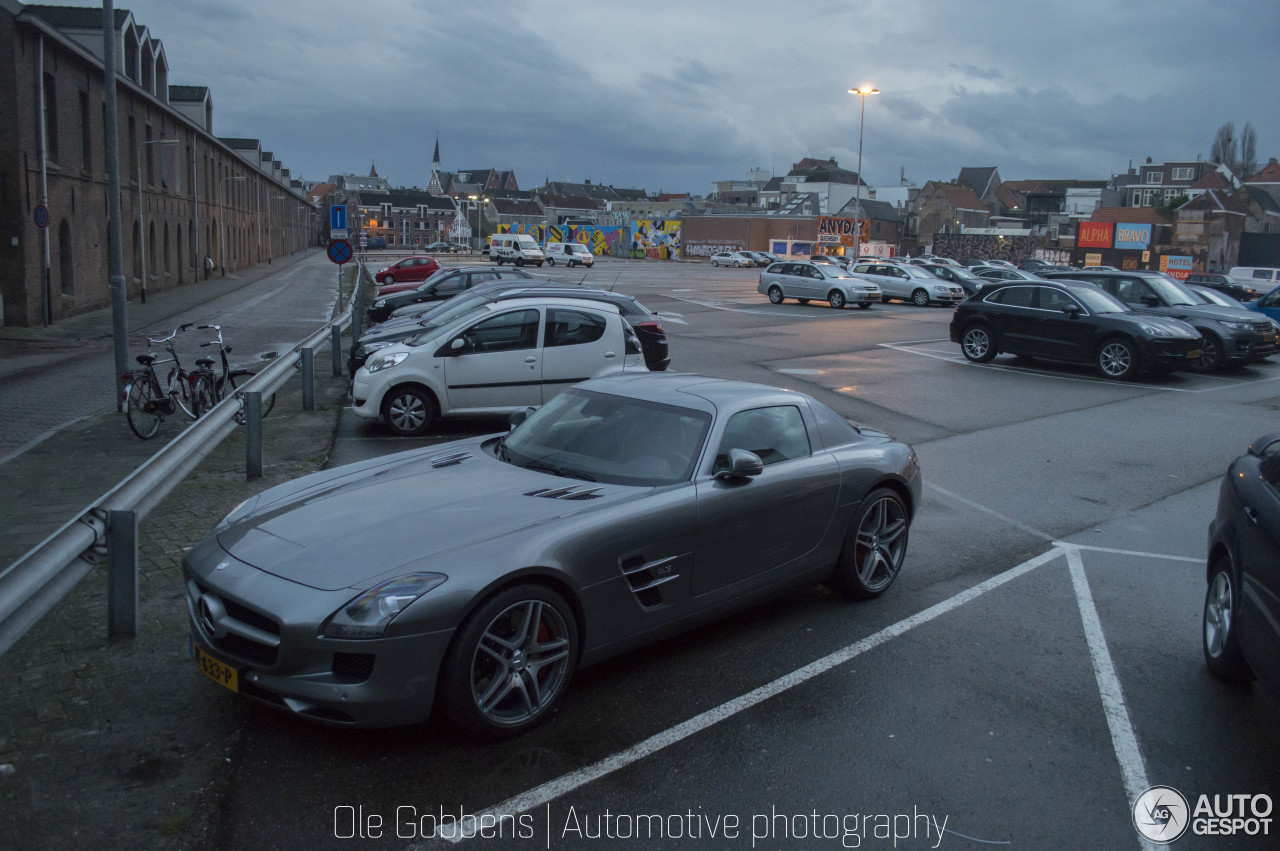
x,y
511,661
1117,359
1210,355
884,299
835,298
775,294
714,263
1221,606
408,411
976,344
920,298
874,546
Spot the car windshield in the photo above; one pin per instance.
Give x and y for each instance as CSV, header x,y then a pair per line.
x,y
600,437
1214,297
1171,290
1099,300
431,332
452,309
836,272
438,275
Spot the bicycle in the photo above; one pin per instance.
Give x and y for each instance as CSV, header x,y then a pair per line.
x,y
217,386
148,401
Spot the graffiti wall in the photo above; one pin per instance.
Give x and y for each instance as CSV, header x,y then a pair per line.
x,y
599,239
655,239
958,246
538,232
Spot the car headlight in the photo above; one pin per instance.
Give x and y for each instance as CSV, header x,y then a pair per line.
x,y
1237,326
943,290
1155,330
368,615
382,302
386,361
369,348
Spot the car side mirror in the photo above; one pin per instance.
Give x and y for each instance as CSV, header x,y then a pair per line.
x,y
518,417
1072,310
742,465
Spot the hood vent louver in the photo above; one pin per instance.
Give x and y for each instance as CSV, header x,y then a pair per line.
x,y
449,460
568,492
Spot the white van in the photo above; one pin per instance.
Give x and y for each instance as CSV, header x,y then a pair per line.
x,y
517,248
569,253
1256,274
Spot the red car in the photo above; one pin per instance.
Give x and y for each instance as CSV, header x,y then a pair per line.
x,y
411,269
392,289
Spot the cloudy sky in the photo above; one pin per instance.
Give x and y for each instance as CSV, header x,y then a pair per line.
x,y
669,96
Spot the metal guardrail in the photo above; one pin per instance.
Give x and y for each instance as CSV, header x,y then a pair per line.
x,y
34,584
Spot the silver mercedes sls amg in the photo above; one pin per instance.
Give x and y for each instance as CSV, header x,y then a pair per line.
x,y
484,572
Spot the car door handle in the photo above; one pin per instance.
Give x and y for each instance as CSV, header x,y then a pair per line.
x,y
610,355
531,359
1251,515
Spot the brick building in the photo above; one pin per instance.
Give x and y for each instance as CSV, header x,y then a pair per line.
x,y
185,194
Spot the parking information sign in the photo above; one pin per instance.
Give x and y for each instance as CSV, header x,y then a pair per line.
x,y
337,217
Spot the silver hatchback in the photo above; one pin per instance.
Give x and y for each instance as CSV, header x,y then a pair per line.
x,y
817,282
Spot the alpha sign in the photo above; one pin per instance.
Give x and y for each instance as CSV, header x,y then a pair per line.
x,y
1095,235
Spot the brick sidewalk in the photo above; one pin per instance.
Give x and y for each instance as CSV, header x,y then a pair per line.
x,y
124,744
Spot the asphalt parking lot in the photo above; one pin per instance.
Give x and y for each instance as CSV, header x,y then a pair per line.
x,y
1036,665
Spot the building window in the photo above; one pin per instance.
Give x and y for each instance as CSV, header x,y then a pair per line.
x,y
133,153
51,117
66,264
1136,200
86,134
1183,173
151,166
1153,177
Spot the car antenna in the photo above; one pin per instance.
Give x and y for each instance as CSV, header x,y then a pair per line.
x,y
615,281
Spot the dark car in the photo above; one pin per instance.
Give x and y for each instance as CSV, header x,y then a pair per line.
x,y
1239,290
1232,337
409,269
646,324
1074,322
1242,606
968,281
439,288
480,574
1035,266
833,259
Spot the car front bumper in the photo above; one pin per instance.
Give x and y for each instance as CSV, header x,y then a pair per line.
x,y
1169,353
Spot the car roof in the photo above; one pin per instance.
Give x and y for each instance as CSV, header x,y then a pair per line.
x,y
549,301
690,390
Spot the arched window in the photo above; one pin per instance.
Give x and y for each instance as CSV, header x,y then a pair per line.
x,y
66,263
177,250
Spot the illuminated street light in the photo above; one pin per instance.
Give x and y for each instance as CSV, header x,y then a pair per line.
x,y
857,187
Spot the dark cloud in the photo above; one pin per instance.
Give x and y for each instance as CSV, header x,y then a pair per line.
x,y
979,73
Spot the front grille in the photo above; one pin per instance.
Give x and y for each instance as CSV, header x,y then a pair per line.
x,y
246,634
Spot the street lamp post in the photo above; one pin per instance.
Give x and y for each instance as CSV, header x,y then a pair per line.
x,y
863,91
142,225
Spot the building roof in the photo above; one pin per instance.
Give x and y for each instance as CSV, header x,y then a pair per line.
x,y
631,194
977,178
188,93
962,198
318,192
573,202
76,17
582,190
774,185
1211,180
1269,173
516,207
1134,215
867,209
1270,206
407,199
797,205
241,144
1218,201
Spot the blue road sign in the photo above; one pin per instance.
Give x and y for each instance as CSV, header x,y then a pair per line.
x,y
337,217
340,251
41,216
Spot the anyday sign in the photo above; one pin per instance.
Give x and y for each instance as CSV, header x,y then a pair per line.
x,y
835,230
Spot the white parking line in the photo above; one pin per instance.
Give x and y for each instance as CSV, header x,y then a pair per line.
x,y
995,514
553,789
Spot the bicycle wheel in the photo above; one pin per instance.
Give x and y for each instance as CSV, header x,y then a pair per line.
x,y
206,395
183,393
238,377
145,407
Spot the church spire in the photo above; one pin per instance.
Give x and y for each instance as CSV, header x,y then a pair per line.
x,y
373,169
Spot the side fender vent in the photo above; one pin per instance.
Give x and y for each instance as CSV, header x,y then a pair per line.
x,y
449,460
568,492
645,577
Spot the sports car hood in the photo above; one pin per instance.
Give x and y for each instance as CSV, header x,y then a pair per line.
x,y
344,530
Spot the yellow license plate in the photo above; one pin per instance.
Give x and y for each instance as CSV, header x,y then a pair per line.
x,y
216,670
1194,354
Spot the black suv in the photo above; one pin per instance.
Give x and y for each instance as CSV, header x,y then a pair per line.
x,y
648,328
1237,289
441,286
1070,321
1232,336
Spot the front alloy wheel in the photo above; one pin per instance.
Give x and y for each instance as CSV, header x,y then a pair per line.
x,y
835,298
408,411
874,546
1117,359
920,298
511,661
1210,355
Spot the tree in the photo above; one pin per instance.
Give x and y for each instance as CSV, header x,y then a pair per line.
x,y
1248,151
1170,210
1225,145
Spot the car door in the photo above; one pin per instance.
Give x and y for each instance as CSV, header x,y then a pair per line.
x,y
1016,322
1259,528
499,363
1067,332
579,343
806,281
746,527
1269,304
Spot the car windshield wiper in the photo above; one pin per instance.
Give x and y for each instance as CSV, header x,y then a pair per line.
x,y
554,469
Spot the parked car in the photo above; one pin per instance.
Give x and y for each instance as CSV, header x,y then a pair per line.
x,y
438,248
1241,624
503,357
480,574
764,258
1263,277
461,247
1231,336
830,259
1073,322
439,288
376,242
999,273
1239,290
569,253
807,282
408,270
910,283
1000,264
1035,266
1268,305
968,281
384,290
732,258
1101,268
516,248
645,323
